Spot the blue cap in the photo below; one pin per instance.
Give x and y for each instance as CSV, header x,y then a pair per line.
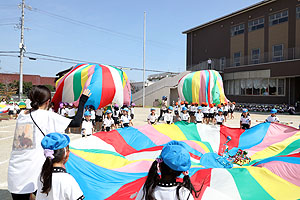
x,y
54,141
170,108
273,111
87,113
126,109
184,108
175,155
152,109
220,110
199,107
108,111
245,110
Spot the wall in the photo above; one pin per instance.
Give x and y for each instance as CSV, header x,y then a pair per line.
x,y
35,79
256,41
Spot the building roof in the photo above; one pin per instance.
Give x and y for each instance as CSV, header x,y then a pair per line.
x,y
262,3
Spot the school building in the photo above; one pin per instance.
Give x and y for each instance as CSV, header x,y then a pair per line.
x,y
256,49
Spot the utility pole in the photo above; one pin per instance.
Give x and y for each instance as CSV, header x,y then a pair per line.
x,y
21,46
144,50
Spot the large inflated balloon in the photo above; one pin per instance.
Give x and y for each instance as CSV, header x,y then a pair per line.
x,y
106,83
3,108
114,165
202,86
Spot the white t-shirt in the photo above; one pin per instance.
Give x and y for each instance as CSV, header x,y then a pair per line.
x,y
72,112
225,109
199,117
28,102
272,119
167,193
63,111
27,156
125,119
3,102
99,112
185,117
152,118
116,113
168,117
108,122
132,111
245,120
232,107
212,110
176,108
164,105
87,126
11,107
215,110
93,114
64,186
192,108
205,109
219,118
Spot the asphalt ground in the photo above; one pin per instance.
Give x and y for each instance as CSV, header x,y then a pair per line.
x,y
7,128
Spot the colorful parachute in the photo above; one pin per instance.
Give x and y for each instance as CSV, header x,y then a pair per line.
x,y
114,165
106,83
202,86
3,108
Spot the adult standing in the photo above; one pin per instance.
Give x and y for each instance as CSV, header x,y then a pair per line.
x,y
27,156
163,108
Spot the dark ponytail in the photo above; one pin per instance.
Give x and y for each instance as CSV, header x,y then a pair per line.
x,y
47,169
188,185
38,96
151,182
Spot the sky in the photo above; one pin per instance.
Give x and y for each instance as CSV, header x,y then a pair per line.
x,y
107,32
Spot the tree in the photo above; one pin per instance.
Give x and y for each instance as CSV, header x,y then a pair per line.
x,y
51,88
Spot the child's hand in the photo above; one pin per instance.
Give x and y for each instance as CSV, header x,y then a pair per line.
x,y
87,92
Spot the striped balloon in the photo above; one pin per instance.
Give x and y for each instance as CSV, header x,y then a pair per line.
x,y
3,108
202,86
106,83
114,165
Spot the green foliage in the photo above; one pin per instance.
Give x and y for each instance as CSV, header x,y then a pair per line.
x,y
51,88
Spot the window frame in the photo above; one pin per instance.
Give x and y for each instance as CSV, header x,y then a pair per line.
x,y
234,59
259,25
253,61
298,12
278,18
237,29
222,62
273,53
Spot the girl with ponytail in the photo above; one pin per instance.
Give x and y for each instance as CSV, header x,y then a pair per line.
x,y
174,161
54,181
26,159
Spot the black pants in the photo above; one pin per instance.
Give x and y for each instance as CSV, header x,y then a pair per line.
x,y
245,126
161,114
22,196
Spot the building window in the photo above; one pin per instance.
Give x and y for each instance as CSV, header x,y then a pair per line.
x,y
237,59
236,30
298,12
256,24
277,52
279,18
259,87
255,56
222,62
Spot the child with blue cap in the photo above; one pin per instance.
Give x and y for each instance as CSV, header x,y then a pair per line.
x,y
109,122
219,118
245,121
168,117
125,118
199,115
173,161
54,181
87,127
152,118
273,117
184,115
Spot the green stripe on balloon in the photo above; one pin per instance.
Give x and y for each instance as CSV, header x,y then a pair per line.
x,y
77,88
215,90
187,88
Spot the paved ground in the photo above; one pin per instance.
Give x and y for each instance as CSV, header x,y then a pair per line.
x,y
7,132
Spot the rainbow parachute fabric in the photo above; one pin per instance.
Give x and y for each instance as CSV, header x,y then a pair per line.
x,y
106,83
114,165
202,86
3,108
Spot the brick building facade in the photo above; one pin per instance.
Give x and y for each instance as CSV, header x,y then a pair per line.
x,y
35,79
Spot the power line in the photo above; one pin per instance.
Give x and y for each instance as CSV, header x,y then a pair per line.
x,y
7,24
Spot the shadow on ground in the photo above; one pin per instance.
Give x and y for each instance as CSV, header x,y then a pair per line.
x,y
5,195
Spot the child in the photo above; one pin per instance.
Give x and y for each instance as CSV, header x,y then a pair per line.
x,y
87,127
93,114
126,119
99,118
116,114
219,118
152,118
109,122
132,111
211,112
199,115
184,115
225,111
168,117
163,108
11,109
272,117
173,161
54,181
231,110
205,111
71,111
245,121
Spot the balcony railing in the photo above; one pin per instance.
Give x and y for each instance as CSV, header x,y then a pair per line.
x,y
220,64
